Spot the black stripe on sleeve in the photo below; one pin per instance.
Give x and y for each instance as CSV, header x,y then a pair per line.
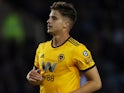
x,y
88,68
36,67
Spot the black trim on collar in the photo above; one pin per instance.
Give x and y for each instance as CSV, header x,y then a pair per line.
x,y
61,44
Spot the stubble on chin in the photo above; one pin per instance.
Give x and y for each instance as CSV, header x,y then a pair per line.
x,y
49,32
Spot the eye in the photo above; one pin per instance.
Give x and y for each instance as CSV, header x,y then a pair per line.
x,y
54,18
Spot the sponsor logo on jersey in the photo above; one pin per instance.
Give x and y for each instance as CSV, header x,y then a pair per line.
x,y
88,58
48,66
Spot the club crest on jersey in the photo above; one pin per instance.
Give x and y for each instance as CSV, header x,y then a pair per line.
x,y
85,53
61,57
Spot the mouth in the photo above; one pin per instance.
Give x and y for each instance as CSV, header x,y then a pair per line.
x,y
49,26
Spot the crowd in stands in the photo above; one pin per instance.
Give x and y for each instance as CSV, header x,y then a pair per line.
x,y
100,26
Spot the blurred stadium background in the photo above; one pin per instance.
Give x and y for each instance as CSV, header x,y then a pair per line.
x,y
100,26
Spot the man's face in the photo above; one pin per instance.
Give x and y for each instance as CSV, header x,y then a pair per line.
x,y
55,22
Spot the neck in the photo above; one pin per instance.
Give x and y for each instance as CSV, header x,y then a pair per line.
x,y
59,40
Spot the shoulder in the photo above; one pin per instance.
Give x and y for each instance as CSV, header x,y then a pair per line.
x,y
43,44
76,43
78,47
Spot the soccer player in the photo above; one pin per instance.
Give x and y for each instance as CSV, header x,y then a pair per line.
x,y
60,62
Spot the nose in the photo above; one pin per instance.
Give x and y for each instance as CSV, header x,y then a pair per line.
x,y
48,21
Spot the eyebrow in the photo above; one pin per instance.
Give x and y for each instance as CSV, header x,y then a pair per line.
x,y
53,16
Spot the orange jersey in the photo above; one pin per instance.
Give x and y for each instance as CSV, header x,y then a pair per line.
x,y
62,65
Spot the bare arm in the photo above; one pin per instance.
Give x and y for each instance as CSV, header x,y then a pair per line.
x,y
93,84
34,77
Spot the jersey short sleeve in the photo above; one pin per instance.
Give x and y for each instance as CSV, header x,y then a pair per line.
x,y
83,58
37,55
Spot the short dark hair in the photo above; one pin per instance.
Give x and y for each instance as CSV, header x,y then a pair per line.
x,y
66,9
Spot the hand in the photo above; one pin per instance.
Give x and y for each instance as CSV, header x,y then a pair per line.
x,y
34,77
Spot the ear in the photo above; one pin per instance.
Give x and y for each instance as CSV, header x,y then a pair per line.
x,y
66,24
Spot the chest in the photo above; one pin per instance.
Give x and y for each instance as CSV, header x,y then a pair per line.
x,y
56,55
55,59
